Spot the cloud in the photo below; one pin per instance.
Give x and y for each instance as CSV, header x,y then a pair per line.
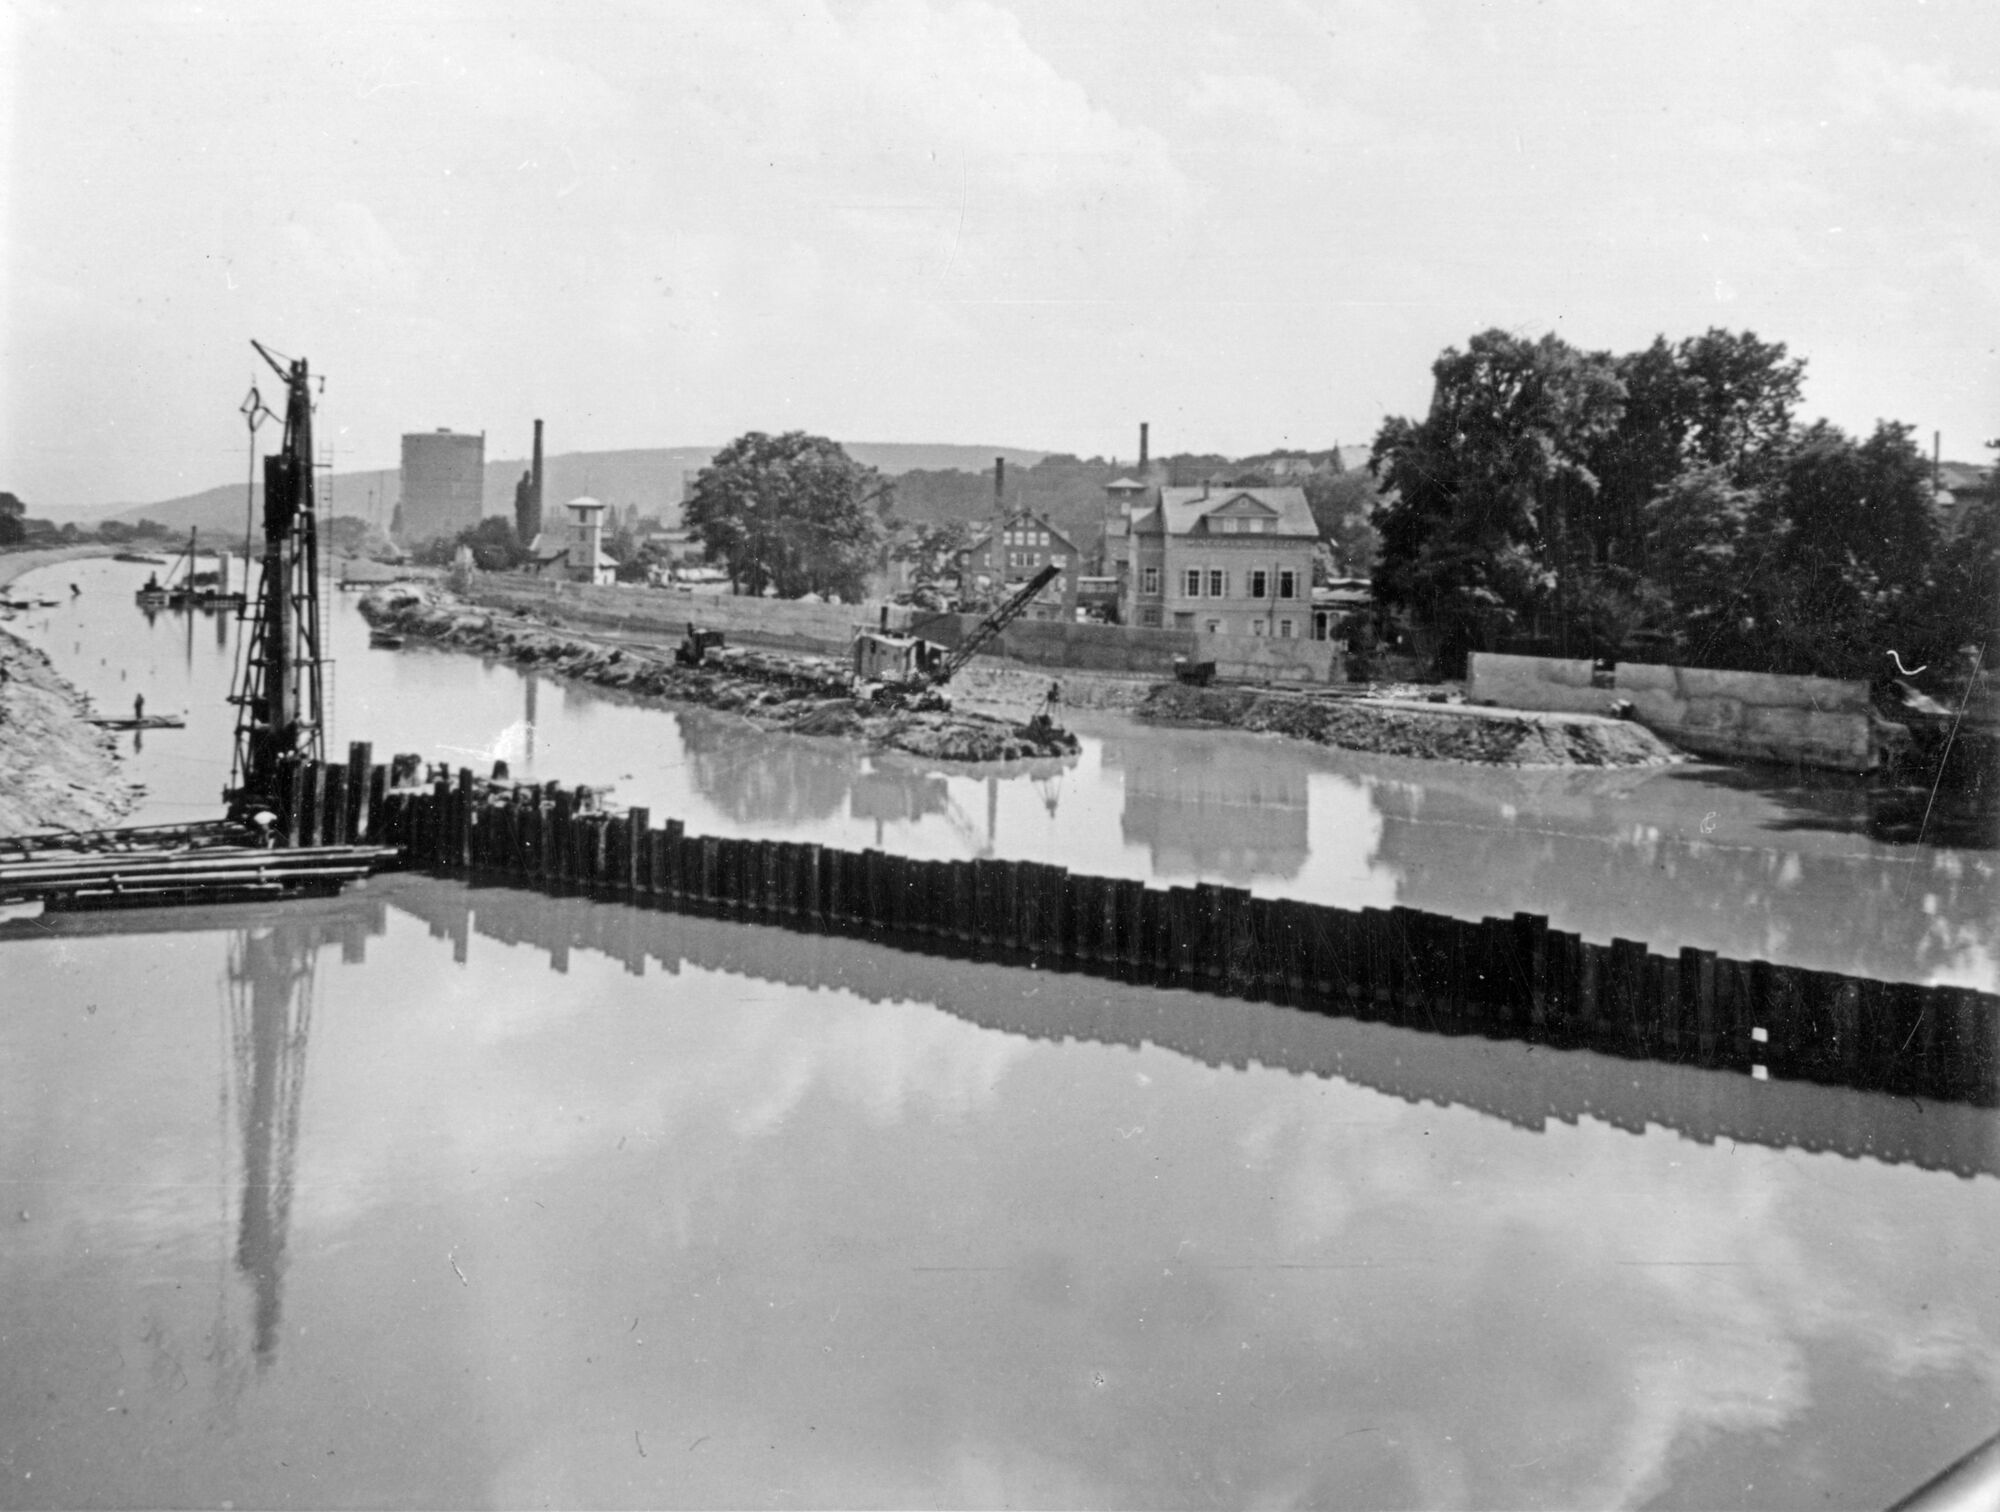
x,y
1873,85
1281,120
343,243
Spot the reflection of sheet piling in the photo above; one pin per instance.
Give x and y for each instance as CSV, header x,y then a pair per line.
x,y
1527,1088
1506,977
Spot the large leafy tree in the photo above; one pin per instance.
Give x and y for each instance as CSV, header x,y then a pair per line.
x,y
934,551
1843,550
1819,559
792,513
1720,401
12,512
1488,487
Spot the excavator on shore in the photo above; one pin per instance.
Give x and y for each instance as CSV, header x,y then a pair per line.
x,y
908,671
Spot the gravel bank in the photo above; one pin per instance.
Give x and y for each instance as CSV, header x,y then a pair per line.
x,y
1439,732
804,694
56,772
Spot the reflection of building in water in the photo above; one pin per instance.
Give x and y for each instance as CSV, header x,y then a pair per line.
x,y
1527,1086
1233,812
758,778
533,685
892,795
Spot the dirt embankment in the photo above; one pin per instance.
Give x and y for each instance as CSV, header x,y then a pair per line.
x,y
1442,732
56,772
802,694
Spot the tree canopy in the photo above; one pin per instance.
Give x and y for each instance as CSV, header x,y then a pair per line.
x,y
1665,501
792,513
494,544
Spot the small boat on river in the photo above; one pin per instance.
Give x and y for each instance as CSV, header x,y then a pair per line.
x,y
143,722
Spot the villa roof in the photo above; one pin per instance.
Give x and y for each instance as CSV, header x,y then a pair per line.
x,y
1181,511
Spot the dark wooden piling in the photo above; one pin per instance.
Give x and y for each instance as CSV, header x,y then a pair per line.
x,y
362,799
1511,976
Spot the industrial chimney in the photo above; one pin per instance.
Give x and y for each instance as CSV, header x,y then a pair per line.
x,y
1143,428
535,489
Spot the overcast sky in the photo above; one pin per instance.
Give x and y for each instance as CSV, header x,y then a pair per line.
x,y
1031,222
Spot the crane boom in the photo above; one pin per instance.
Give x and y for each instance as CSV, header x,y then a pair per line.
x,y
992,625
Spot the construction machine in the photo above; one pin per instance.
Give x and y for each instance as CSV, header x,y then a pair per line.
x,y
912,671
696,644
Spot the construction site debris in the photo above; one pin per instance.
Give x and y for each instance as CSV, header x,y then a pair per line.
x,y
808,695
1435,731
56,770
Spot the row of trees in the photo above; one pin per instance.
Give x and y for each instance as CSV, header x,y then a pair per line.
x,y
1668,503
19,528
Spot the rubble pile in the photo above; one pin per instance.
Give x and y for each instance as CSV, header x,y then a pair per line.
x,y
56,771
807,695
1437,732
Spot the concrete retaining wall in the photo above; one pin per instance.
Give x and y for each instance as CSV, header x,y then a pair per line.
x,y
1745,716
1096,648
828,629
1262,658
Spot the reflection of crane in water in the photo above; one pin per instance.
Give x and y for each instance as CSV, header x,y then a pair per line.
x,y
269,1001
960,821
1050,787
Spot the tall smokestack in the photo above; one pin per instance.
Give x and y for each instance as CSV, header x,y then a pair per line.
x,y
1143,428
535,487
999,485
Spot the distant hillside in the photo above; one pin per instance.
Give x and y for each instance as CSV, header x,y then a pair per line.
x,y
902,457
649,477
935,482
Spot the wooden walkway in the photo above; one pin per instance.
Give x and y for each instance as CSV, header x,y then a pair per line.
x,y
147,876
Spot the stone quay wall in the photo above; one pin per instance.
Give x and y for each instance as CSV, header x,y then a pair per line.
x,y
1737,716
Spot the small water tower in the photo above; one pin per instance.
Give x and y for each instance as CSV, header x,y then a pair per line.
x,y
585,561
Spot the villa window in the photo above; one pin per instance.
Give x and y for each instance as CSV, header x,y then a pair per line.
x,y
1218,583
1259,582
1215,627
1192,585
1256,627
1284,629
1288,584
1150,617
1149,580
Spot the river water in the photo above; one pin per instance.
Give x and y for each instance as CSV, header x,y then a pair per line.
x,y
465,1196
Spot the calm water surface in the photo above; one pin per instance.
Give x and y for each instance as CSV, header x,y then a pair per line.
x,y
445,1195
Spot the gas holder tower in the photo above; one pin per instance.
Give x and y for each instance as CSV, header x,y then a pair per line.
x,y
280,721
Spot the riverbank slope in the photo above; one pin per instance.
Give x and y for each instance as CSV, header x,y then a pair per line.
x,y
56,771
1437,732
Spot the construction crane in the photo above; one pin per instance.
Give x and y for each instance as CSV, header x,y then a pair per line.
x,y
280,718
910,670
990,627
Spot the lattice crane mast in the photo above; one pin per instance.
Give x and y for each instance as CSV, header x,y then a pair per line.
x,y
280,717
